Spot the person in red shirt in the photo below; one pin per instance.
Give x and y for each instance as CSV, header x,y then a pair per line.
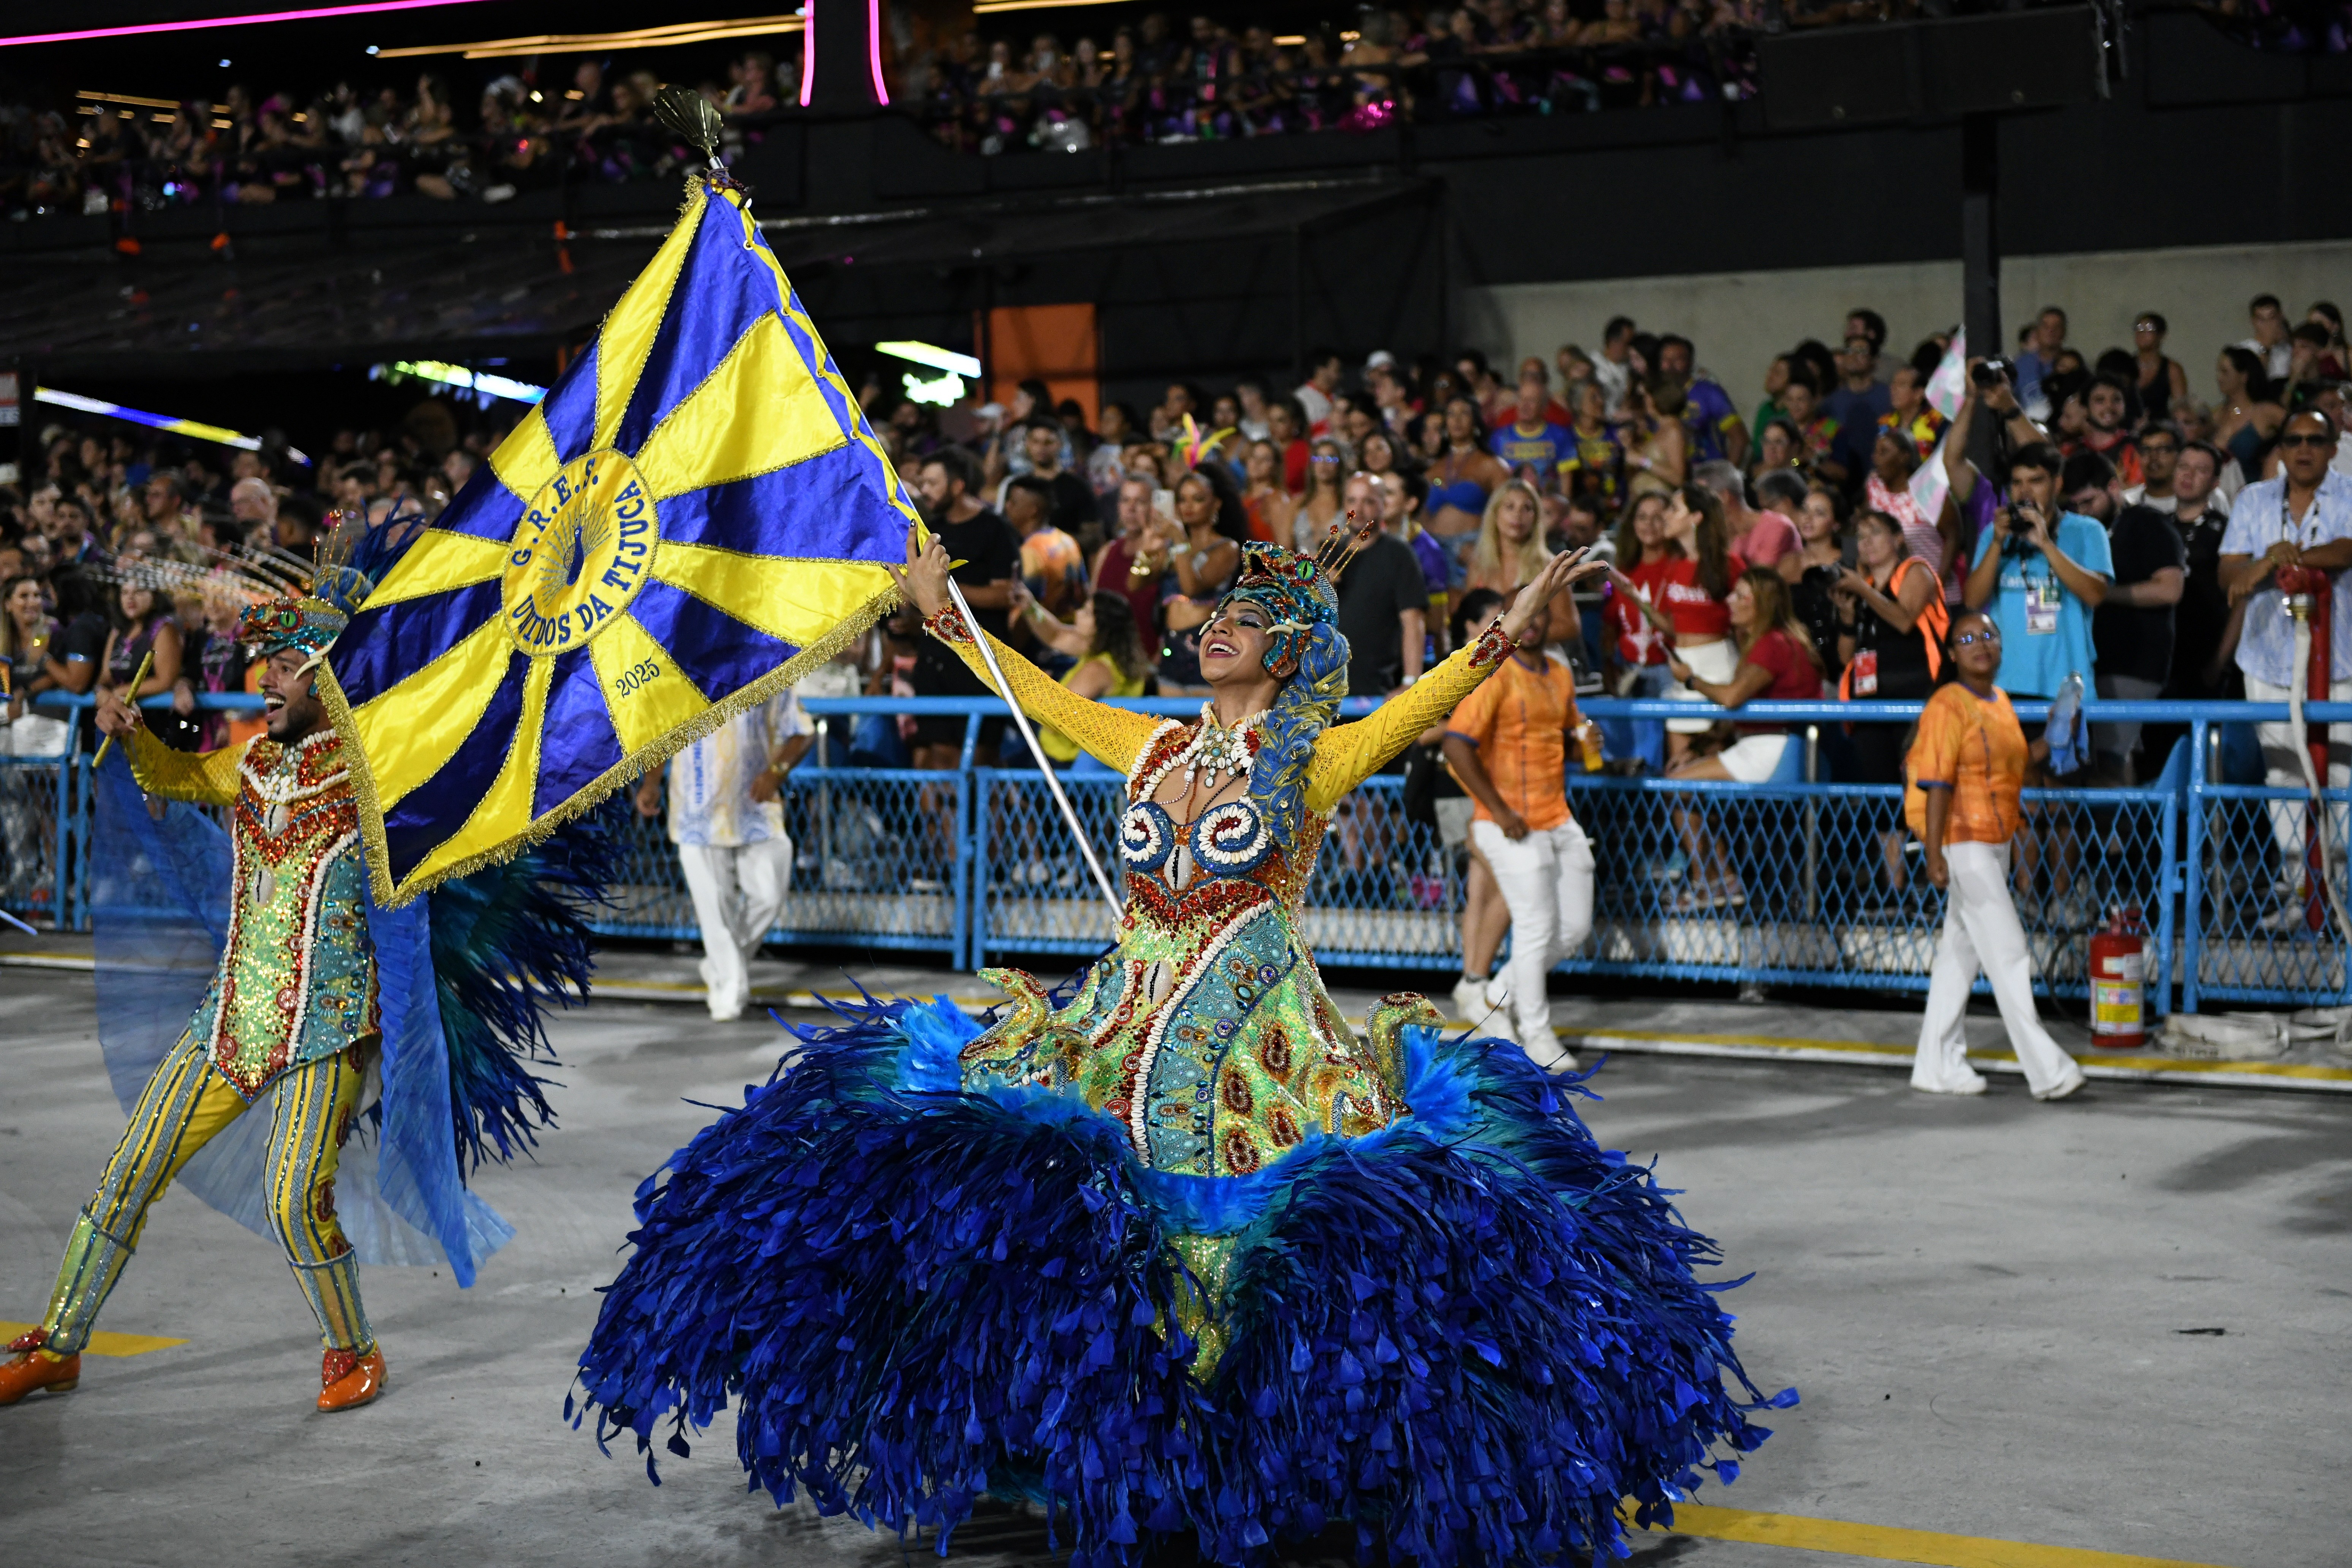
x,y
1507,744
1637,642
1777,662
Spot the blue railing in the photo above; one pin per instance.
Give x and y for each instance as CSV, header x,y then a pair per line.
x,y
975,865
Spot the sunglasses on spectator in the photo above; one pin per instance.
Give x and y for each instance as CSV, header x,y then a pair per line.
x,y
2307,440
2144,327
1970,639
1325,457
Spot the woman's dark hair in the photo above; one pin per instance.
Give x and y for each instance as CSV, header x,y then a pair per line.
x,y
1117,634
1926,357
1713,538
1232,519
2251,366
1477,607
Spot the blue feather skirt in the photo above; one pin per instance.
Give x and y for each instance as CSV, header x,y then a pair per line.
x,y
1471,1336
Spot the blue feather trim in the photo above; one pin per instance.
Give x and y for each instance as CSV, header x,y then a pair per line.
x,y
1469,1336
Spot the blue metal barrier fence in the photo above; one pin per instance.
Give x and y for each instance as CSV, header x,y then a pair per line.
x,y
1818,881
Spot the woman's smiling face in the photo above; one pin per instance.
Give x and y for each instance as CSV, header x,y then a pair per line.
x,y
1235,642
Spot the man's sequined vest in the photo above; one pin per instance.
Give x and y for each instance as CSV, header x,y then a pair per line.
x,y
297,980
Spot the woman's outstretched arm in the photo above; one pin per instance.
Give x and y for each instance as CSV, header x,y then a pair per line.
x,y
1112,736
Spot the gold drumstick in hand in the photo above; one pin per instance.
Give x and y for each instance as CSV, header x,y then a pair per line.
x,y
137,681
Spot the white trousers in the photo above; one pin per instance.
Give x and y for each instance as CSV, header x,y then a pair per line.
x,y
2282,770
1980,928
738,894
1547,882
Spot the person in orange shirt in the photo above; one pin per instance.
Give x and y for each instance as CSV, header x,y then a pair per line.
x,y
1507,744
1966,774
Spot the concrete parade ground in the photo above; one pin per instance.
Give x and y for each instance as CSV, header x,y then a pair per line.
x,y
2106,1331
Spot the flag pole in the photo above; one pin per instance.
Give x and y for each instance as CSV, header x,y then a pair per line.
x,y
1004,690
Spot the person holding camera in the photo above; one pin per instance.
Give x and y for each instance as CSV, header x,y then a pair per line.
x,y
2039,573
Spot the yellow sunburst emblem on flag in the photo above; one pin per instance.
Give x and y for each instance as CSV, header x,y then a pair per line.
x,y
695,513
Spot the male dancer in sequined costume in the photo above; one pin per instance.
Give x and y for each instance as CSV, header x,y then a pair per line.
x,y
292,1008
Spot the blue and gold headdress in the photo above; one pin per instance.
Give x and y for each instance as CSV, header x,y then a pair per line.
x,y
1301,592
314,614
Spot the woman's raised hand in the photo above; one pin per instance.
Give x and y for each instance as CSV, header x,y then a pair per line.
x,y
1567,567
924,578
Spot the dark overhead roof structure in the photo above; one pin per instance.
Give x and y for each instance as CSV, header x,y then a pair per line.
x,y
297,301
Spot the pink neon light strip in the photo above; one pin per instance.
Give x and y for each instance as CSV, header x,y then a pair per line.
x,y
808,55
873,47
311,14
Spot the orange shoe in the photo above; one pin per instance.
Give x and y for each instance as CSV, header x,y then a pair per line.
x,y
36,1369
347,1380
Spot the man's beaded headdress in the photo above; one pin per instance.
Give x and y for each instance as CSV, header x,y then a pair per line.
x,y
314,614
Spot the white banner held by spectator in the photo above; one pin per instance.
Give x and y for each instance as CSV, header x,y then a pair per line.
x,y
1930,484
1949,384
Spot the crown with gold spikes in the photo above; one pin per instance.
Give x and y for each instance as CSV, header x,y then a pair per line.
x,y
1300,590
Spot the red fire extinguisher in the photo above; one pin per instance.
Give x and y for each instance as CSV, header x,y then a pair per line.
x,y
2119,982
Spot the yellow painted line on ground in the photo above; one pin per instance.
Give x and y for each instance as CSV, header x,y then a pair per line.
x,y
1889,1544
103,1342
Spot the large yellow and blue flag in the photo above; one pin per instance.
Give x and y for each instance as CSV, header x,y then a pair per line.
x,y
695,514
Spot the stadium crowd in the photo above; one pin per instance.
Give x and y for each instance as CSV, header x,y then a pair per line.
x,y
2082,500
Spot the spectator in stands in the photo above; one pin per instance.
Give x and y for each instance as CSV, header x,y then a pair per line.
x,y
1202,543
1860,400
1816,428
30,638
1754,538
727,818
2103,406
2162,380
2246,413
991,553
1967,776
2132,630
1383,600
1815,571
1269,505
1891,625
1314,395
1908,413
1070,499
2039,573
1125,565
1716,435
2039,356
1108,657
1613,370
1053,567
1531,446
1507,744
1777,663
1462,480
1595,467
2269,340
1639,629
1692,607
2299,521
2159,451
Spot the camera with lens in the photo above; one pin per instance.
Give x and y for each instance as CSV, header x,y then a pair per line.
x,y
2014,545
1992,373
1825,578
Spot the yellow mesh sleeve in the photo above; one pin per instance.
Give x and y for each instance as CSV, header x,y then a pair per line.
x,y
1112,736
1347,754
202,778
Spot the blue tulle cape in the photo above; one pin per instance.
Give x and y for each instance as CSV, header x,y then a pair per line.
x,y
1470,1335
463,974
